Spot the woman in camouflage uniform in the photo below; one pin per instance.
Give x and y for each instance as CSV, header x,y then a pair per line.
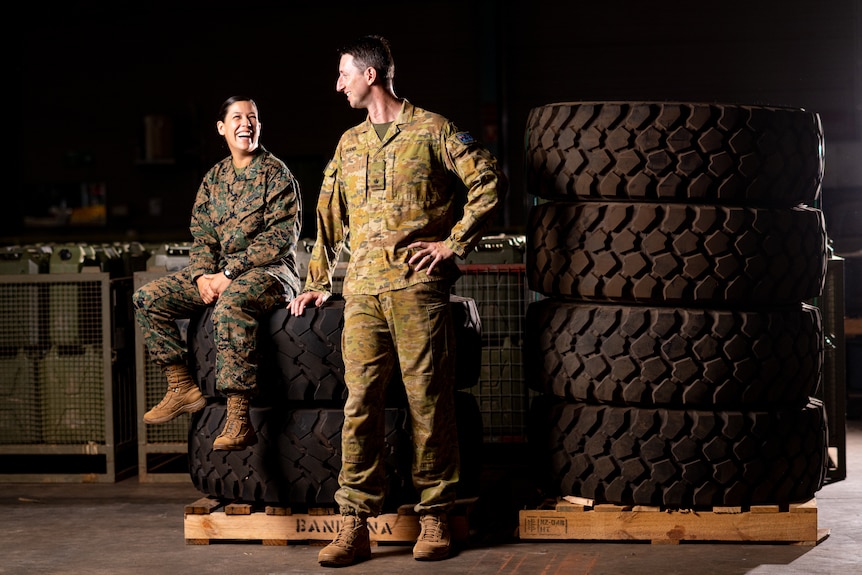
x,y
389,187
245,227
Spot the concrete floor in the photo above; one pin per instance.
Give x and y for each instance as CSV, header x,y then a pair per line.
x,y
133,528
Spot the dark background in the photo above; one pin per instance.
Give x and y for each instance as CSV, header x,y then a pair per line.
x,y
90,73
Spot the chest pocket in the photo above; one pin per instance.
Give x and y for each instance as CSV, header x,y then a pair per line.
x,y
419,177
376,174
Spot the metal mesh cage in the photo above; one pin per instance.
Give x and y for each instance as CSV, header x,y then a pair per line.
x,y
72,392
500,292
19,316
53,362
61,397
20,411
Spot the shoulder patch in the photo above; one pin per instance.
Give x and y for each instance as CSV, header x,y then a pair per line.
x,y
465,137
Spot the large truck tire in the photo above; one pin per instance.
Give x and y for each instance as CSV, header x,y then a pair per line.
x,y
697,255
301,355
676,152
673,357
297,455
683,459
295,460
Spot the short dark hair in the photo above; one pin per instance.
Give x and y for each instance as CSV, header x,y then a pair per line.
x,y
222,112
372,51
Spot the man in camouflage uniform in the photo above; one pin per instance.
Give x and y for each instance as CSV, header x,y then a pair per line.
x,y
388,193
245,227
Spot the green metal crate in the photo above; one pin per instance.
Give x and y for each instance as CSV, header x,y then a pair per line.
x,y
71,381
20,410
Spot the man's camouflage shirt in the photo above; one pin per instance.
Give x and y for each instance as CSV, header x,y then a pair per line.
x,y
247,220
377,197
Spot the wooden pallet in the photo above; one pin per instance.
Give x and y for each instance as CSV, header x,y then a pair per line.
x,y
576,518
208,520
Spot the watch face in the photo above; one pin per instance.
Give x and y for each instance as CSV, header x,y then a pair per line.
x,y
228,274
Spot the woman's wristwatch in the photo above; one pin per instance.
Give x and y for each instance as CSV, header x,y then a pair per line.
x,y
228,274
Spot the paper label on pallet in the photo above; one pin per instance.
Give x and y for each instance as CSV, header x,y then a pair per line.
x,y
538,526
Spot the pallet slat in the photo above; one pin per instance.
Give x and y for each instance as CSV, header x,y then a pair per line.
x,y
208,520
764,523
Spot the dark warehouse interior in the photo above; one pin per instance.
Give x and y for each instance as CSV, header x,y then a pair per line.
x,y
92,75
115,126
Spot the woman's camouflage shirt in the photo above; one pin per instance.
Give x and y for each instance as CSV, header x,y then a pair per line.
x,y
247,220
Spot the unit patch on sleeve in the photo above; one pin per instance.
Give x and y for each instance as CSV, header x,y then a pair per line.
x,y
465,137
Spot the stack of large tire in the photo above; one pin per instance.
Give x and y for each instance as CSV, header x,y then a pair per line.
x,y
298,414
674,246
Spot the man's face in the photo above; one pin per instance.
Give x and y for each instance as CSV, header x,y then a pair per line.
x,y
353,82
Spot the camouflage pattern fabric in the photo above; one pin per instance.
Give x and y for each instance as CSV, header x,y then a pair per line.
x,y
411,327
249,222
377,197
235,319
393,192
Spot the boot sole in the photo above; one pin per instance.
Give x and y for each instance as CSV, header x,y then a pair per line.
x,y
188,408
432,556
336,563
238,447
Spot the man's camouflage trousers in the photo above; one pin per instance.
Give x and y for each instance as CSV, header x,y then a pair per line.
x,y
413,328
236,313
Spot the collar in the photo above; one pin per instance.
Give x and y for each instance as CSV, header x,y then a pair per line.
x,y
253,167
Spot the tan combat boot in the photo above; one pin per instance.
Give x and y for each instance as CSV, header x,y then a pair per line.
x,y
183,396
351,545
238,432
433,541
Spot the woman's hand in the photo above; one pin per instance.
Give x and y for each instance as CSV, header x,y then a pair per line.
x,y
210,286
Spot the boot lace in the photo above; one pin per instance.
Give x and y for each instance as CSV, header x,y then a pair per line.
x,y
347,533
432,528
168,398
232,427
